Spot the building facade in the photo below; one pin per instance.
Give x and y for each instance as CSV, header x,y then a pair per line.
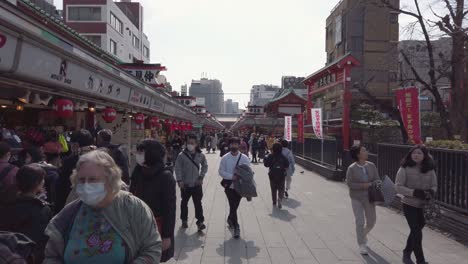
x,y
116,27
260,95
294,83
231,107
370,33
212,91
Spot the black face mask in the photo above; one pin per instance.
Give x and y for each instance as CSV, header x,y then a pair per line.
x,y
234,149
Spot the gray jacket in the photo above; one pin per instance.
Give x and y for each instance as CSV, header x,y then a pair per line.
x,y
127,214
355,178
292,164
187,172
411,178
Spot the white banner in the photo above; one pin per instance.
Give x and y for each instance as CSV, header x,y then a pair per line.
x,y
317,121
288,128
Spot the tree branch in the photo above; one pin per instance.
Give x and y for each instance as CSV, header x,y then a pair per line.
x,y
413,70
450,8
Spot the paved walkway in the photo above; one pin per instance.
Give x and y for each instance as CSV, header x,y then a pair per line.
x,y
316,225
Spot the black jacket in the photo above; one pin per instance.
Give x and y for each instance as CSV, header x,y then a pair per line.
x,y
156,186
120,159
63,186
277,165
29,216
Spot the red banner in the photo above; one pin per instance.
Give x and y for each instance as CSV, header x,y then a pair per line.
x,y
408,104
300,128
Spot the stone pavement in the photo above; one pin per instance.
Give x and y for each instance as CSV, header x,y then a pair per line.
x,y
316,225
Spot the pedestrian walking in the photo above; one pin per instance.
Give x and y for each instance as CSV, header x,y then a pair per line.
x,y
28,214
254,148
416,180
176,146
227,167
262,148
202,140
287,153
278,166
190,169
103,140
361,175
154,183
224,145
209,143
105,225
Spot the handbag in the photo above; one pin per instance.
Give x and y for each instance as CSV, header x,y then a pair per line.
x,y
375,194
227,183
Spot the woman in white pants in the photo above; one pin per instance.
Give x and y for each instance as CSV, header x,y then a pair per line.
x,y
287,153
361,175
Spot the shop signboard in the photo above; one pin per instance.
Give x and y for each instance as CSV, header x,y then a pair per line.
x,y
39,64
408,104
140,99
7,50
147,73
157,105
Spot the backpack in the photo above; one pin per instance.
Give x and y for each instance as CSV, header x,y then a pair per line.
x,y
276,165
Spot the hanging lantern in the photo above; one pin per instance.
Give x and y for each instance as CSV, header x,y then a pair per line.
x,y
109,115
154,121
175,125
139,118
63,108
182,126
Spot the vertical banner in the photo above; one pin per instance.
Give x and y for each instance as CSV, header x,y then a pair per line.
x,y
317,122
300,128
408,104
288,128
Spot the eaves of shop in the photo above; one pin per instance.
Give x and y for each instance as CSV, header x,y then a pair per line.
x,y
33,54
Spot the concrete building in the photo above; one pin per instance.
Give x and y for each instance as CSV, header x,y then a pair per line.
x,y
416,51
231,107
116,27
369,33
260,95
212,91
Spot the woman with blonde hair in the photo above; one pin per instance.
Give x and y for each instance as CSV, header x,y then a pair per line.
x,y
105,225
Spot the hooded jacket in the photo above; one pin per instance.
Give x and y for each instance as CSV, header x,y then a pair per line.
x,y
127,214
187,172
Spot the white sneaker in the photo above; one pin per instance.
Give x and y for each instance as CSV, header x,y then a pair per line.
x,y
363,250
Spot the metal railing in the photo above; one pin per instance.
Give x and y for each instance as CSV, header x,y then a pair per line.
x,y
311,150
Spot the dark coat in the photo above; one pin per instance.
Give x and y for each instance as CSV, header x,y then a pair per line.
x,y
28,216
120,159
63,186
156,186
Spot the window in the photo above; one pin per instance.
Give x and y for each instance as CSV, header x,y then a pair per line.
x,y
116,23
136,42
95,39
113,47
84,13
145,51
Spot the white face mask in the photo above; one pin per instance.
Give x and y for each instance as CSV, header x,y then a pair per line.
x,y
191,148
91,193
140,159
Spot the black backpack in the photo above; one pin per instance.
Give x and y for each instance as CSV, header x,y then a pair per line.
x,y
277,165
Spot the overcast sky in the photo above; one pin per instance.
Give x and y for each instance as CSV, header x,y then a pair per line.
x,y
239,42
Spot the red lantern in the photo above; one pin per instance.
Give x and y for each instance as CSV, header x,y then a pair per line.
x,y
139,118
190,126
182,126
63,108
154,122
109,115
175,125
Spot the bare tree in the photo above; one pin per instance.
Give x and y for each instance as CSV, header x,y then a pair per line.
x,y
452,25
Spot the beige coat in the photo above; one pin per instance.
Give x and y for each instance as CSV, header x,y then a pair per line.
x,y
410,178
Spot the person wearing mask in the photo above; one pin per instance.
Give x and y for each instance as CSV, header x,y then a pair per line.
x,y
7,174
287,153
224,145
176,145
416,180
209,143
154,183
360,176
244,148
278,165
106,224
228,164
81,143
28,214
103,140
190,169
254,148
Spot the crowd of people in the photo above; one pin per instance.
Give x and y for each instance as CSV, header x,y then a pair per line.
x,y
85,206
